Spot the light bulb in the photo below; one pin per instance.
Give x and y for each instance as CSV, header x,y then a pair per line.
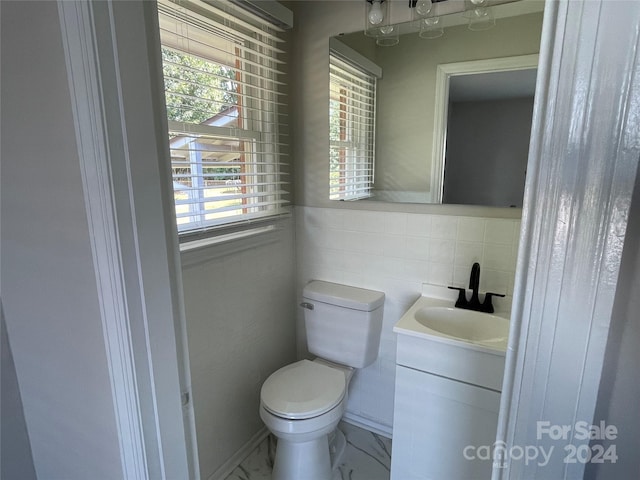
x,y
480,12
375,13
386,30
432,21
423,7
430,28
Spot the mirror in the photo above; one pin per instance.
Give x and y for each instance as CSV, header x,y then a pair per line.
x,y
453,113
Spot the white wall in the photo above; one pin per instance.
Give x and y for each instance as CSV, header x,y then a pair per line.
x,y
405,105
317,21
49,289
574,226
239,301
83,328
619,387
368,244
16,460
395,253
239,296
384,246
487,150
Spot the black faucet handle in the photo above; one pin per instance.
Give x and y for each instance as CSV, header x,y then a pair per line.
x,y
462,297
487,306
491,294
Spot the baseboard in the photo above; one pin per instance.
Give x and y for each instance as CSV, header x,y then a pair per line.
x,y
227,467
368,424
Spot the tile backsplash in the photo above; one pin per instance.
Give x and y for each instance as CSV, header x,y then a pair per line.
x,y
396,253
435,249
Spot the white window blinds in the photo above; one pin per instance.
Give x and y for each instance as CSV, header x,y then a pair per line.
x,y
223,88
351,130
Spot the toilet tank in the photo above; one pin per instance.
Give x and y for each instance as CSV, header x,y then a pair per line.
x,y
343,323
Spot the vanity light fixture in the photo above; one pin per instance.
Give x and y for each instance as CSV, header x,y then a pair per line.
x,y
389,35
421,8
377,19
375,15
479,15
378,23
431,27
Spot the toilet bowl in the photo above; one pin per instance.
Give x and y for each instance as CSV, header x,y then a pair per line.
x,y
302,403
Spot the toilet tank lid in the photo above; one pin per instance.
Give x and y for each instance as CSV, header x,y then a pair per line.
x,y
343,295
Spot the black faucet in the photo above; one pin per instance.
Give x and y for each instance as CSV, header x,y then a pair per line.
x,y
474,284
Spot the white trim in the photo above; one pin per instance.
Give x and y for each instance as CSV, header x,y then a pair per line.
x,y
115,89
444,73
354,58
224,238
574,225
236,459
86,94
368,424
274,11
213,248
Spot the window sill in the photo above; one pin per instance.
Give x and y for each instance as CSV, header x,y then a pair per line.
x,y
207,249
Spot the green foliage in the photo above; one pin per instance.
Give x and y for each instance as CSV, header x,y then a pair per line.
x,y
196,89
334,133
334,120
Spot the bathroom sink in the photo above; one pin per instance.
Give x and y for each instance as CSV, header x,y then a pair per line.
x,y
433,316
463,345
466,325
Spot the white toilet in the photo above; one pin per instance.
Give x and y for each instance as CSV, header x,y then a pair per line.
x,y
302,403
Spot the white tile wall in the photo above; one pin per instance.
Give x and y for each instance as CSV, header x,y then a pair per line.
x,y
396,253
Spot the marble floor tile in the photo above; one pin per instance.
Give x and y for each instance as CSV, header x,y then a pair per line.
x,y
258,464
367,456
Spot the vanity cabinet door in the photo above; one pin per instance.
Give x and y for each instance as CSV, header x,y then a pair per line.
x,y
436,422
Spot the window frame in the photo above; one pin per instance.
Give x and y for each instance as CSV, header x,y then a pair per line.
x,y
258,132
354,177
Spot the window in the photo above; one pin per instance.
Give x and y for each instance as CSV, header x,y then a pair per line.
x,y
351,130
223,92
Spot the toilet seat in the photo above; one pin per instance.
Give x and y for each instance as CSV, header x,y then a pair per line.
x,y
303,390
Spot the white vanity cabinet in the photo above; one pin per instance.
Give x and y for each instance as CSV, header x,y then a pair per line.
x,y
435,419
447,395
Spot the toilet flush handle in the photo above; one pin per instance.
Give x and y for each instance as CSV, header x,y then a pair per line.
x,y
307,305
